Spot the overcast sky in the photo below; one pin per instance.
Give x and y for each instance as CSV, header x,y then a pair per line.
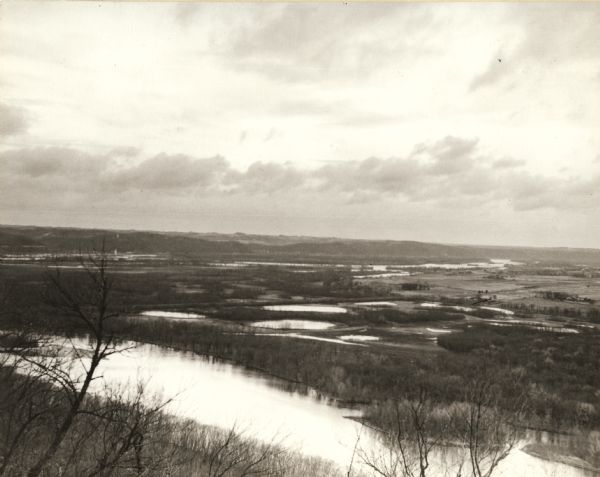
x,y
465,123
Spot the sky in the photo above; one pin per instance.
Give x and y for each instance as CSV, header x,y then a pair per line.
x,y
455,123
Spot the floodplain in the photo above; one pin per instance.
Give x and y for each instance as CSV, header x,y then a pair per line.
x,y
357,334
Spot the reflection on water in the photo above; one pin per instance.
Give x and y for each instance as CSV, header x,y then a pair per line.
x,y
439,305
293,324
359,338
383,275
172,314
309,337
225,395
493,263
307,308
498,310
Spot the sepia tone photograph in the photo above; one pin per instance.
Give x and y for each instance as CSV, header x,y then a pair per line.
x,y
299,239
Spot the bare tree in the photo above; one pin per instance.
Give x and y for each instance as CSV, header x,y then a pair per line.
x,y
469,438
85,302
26,403
230,454
52,424
484,424
126,436
416,429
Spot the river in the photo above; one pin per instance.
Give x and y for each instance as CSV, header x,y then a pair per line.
x,y
224,395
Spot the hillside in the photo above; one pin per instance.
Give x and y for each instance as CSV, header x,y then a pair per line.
x,y
29,239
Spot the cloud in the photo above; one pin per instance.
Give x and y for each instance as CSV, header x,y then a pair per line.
x,y
507,162
334,112
539,44
451,155
450,172
372,176
273,133
52,163
542,22
186,12
433,172
305,107
314,42
360,119
262,178
13,121
170,172
125,151
497,68
528,192
453,170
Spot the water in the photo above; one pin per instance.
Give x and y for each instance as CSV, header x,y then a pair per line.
x,y
293,324
359,338
498,310
307,308
225,395
246,263
376,304
438,330
493,263
76,256
454,307
383,275
309,337
172,314
534,325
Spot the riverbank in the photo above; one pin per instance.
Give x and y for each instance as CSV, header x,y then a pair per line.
x,y
121,425
193,386
558,454
373,374
369,424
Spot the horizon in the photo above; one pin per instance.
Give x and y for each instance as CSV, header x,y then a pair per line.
x,y
438,123
315,237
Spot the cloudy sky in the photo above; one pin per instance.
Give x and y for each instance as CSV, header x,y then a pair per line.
x,y
464,123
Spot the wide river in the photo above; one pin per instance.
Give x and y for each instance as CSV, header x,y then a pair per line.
x,y
225,395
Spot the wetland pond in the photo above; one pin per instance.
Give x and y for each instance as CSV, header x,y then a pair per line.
x,y
221,394
293,324
173,315
306,308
